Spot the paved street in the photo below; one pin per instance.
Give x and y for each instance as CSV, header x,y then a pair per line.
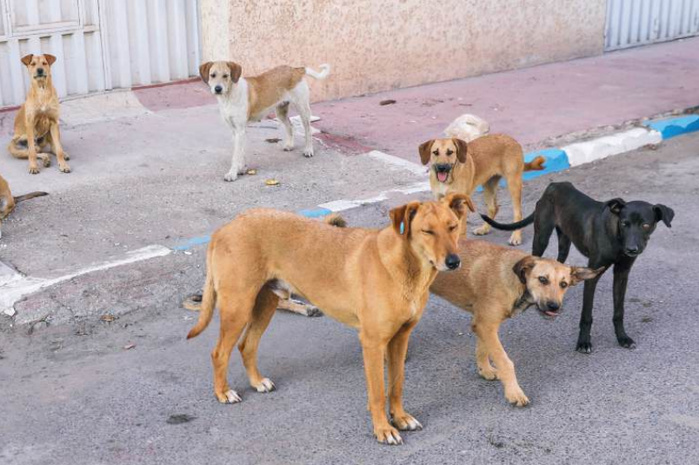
x,y
80,390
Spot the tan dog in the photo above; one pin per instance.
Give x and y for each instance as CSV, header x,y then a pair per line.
x,y
36,123
461,167
376,281
496,283
8,202
251,98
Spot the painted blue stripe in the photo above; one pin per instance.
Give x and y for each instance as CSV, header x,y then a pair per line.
x,y
315,212
193,242
672,127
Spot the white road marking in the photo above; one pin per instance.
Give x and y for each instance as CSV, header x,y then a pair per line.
x,y
20,286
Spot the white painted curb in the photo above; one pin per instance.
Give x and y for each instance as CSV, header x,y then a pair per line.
x,y
597,149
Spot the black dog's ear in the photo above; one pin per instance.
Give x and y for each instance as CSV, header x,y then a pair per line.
x,y
615,205
666,214
461,149
424,150
523,267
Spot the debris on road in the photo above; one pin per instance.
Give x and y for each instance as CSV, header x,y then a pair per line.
x,y
387,102
272,182
129,346
108,318
252,171
273,140
180,418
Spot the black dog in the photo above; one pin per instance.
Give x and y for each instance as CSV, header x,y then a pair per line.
x,y
607,233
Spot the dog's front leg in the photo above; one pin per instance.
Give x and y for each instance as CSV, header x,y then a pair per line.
x,y
621,279
58,148
31,144
397,350
584,345
488,333
374,351
238,158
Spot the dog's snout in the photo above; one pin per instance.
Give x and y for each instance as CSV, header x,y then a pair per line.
x,y
442,168
452,261
633,250
553,306
218,89
40,71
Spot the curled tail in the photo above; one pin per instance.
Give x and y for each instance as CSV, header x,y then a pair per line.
x,y
536,164
31,195
336,220
509,227
203,302
324,72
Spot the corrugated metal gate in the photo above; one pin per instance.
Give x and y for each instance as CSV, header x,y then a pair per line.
x,y
637,22
99,44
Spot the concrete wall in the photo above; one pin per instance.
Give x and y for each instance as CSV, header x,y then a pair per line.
x,y
376,45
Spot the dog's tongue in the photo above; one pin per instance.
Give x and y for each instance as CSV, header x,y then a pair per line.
x,y
553,314
442,176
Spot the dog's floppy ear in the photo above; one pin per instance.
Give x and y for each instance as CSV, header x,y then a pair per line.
x,y
666,214
204,69
236,70
461,149
50,58
578,274
458,203
26,59
615,205
523,267
424,150
402,216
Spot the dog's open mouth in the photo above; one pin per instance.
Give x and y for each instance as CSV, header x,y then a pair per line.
x,y
442,172
548,314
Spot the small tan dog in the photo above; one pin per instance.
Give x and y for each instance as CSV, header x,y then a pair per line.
x,y
243,99
376,281
496,283
460,167
36,123
8,202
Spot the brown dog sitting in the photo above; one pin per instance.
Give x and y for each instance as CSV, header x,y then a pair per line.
x,y
458,167
496,283
8,202
376,281
36,123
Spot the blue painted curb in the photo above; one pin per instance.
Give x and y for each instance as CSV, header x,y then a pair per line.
x,y
556,160
315,212
672,127
193,242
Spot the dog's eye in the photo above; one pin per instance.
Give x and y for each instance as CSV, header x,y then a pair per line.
x,y
430,233
213,75
436,152
564,284
543,280
450,152
453,228
225,76
646,227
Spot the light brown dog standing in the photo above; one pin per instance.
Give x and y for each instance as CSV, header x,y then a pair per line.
x,y
496,283
36,123
8,202
376,281
460,167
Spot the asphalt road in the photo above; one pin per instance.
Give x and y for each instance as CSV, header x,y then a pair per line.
x,y
133,391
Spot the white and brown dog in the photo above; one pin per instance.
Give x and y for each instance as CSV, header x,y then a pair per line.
x,y
243,99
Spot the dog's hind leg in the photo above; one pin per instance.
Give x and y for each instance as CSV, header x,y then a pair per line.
x,y
543,228
397,350
490,195
563,245
283,115
584,344
18,149
235,309
302,104
621,278
514,185
262,313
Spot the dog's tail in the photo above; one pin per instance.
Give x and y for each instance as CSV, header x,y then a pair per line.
x,y
509,227
324,72
204,302
336,220
536,164
31,195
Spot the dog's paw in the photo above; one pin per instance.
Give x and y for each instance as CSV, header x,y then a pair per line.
x,y
584,347
265,385
515,239
406,422
229,397
288,147
33,169
488,373
230,176
388,435
626,342
481,231
516,397
64,168
308,153
242,171
46,161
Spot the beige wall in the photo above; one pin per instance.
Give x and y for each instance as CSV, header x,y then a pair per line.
x,y
376,45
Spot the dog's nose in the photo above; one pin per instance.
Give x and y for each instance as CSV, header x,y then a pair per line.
x,y
442,168
452,261
40,71
553,306
633,250
218,89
